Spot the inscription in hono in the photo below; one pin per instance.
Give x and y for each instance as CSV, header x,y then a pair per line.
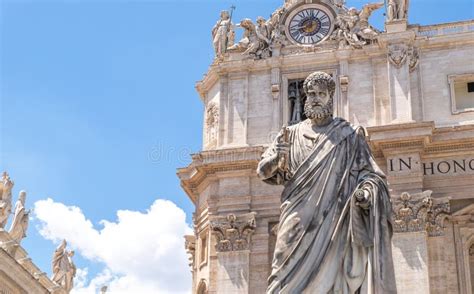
x,y
447,166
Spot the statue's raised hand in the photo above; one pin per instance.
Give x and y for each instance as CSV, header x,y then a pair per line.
x,y
282,149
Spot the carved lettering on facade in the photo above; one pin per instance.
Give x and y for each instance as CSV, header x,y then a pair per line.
x,y
449,167
420,212
233,232
439,167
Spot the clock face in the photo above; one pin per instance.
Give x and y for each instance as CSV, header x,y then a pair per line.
x,y
309,26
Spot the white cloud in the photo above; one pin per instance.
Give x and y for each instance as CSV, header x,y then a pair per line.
x,y
142,252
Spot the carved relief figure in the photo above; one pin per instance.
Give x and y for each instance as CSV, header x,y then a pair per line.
x,y
334,233
352,27
275,27
255,41
20,219
64,269
221,32
6,200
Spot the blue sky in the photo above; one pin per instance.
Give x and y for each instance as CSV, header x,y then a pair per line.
x,y
98,106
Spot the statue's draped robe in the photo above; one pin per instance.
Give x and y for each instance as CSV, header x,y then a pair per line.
x,y
325,242
19,223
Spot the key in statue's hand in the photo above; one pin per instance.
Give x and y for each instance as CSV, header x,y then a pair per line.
x,y
362,197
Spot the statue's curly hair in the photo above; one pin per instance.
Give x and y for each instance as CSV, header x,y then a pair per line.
x,y
320,78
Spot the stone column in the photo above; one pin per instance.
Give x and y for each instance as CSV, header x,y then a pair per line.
x,y
276,94
399,55
233,235
416,217
223,110
342,105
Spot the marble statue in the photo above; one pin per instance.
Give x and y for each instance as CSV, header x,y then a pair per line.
x,y
64,269
255,40
221,33
397,9
20,219
402,9
352,26
392,10
6,199
334,233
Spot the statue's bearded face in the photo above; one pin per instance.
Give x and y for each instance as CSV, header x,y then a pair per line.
x,y
318,103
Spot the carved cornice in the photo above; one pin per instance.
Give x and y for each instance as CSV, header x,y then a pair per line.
x,y
420,212
420,137
233,233
208,163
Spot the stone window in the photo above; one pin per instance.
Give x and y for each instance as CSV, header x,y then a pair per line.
x,y
462,92
203,249
296,100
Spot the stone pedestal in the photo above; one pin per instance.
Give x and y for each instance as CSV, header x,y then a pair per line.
x,y
233,272
396,26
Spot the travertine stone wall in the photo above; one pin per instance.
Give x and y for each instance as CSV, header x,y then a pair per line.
x,y
410,257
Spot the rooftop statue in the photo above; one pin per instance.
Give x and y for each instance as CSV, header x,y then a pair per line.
x,y
20,219
6,199
221,33
334,233
397,9
256,39
64,269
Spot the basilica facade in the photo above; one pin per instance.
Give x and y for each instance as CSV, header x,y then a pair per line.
x,y
410,86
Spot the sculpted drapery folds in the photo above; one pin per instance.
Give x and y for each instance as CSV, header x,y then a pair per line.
x,y
334,234
20,219
221,33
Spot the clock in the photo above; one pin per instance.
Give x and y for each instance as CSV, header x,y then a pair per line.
x,y
309,24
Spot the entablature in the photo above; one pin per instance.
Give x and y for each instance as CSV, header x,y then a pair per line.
x,y
422,137
211,162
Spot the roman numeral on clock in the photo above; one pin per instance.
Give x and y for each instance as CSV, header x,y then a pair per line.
x,y
323,31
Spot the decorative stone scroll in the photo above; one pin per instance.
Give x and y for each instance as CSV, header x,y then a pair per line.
x,y
212,123
233,232
190,246
420,212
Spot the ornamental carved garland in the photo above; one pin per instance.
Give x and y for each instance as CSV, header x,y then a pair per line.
x,y
233,232
420,213
190,246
